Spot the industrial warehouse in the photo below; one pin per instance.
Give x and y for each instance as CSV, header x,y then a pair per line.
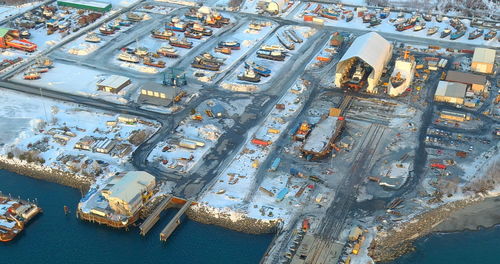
x,y
342,131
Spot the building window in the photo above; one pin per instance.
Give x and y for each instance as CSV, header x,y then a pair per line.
x,y
162,95
150,93
157,94
144,91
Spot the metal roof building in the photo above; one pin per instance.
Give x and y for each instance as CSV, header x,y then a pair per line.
x,y
113,83
371,48
124,194
450,92
483,60
87,5
477,82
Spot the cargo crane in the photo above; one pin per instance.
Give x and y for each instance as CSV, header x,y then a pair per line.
x,y
10,38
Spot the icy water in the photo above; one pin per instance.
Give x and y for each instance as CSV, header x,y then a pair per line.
x,y
467,247
53,237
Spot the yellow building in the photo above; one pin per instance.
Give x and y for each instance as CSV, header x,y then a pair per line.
x,y
449,92
483,60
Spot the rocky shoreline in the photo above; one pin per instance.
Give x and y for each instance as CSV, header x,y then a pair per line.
x,y
244,224
196,213
391,244
44,173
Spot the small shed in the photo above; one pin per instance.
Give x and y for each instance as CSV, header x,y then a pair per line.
x,y
113,83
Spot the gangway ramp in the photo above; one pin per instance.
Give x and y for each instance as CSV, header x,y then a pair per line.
x,y
155,216
174,223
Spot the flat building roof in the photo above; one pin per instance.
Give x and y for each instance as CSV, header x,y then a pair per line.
x,y
114,81
484,55
465,77
451,89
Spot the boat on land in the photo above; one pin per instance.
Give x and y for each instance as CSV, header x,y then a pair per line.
x,y
168,51
457,34
180,43
259,69
476,33
445,33
124,56
276,55
249,75
431,31
165,34
490,35
234,45
93,38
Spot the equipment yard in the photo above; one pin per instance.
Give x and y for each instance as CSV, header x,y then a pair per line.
x,y
296,118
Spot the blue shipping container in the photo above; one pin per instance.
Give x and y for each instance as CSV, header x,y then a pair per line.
x,y
275,164
281,195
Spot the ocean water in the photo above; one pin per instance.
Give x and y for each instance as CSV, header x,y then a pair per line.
x,y
54,237
468,247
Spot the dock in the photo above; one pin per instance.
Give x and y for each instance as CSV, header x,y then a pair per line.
x,y
174,223
155,216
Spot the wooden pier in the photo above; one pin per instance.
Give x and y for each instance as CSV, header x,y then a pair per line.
x,y
174,223
155,216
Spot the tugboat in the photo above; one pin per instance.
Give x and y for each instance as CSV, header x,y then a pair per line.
x,y
445,33
106,30
223,50
249,76
210,58
409,23
287,44
124,56
397,80
92,37
196,27
193,34
141,51
349,17
260,70
476,33
457,34
276,55
180,43
155,63
490,35
419,27
432,30
427,17
329,13
234,45
32,75
176,25
167,51
165,34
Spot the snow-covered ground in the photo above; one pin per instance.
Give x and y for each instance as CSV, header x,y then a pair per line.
x,y
48,131
7,11
388,27
79,80
233,189
207,131
274,66
250,6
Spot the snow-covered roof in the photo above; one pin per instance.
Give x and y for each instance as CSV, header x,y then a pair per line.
x,y
131,185
371,48
451,89
114,81
484,55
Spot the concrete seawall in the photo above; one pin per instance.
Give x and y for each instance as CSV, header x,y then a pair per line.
x,y
204,215
44,173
